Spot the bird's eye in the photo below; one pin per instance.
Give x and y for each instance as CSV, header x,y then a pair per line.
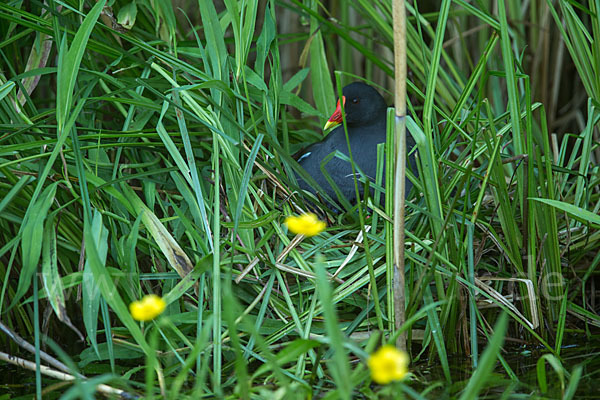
x,y
356,100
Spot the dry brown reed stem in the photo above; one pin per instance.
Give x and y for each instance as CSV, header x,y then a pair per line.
x,y
399,15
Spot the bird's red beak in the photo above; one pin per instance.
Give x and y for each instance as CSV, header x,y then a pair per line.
x,y
336,117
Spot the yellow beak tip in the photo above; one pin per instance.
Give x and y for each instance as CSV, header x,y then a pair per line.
x,y
330,124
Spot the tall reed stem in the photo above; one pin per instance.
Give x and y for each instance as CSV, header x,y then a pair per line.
x,y
399,15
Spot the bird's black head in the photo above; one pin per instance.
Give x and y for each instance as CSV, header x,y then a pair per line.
x,y
363,105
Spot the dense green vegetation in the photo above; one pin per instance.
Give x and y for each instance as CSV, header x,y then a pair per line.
x,y
146,147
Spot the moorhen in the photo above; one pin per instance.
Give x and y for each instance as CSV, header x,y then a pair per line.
x,y
366,121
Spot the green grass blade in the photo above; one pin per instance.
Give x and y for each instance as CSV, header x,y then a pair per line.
x,y
339,366
487,361
69,62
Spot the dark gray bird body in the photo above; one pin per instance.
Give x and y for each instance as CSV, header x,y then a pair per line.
x,y
366,113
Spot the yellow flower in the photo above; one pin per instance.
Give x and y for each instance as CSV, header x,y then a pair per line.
x,y
388,364
307,224
150,307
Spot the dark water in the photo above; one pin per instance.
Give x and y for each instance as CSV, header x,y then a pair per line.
x,y
523,363
18,383
15,381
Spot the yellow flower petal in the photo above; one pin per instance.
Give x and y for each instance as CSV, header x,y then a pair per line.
x,y
150,307
306,224
388,364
